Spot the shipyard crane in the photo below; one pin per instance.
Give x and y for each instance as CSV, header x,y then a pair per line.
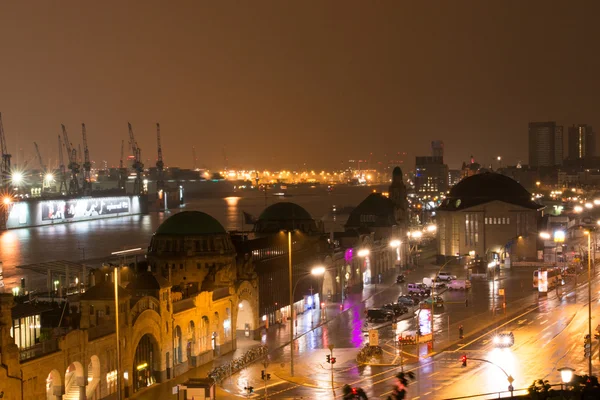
x,y
160,183
5,166
122,169
73,164
46,177
62,169
138,166
87,165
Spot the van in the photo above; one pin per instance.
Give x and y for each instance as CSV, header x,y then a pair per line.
x,y
459,284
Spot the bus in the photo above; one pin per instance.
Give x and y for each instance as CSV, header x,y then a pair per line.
x,y
553,275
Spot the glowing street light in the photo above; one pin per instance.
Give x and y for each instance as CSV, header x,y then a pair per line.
x,y
545,235
17,177
363,252
566,374
416,234
589,205
49,177
431,228
317,271
578,209
396,243
597,202
7,200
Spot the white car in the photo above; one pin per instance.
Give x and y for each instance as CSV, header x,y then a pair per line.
x,y
446,276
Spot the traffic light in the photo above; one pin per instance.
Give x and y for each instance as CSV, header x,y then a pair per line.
x,y
587,346
262,374
333,360
328,358
249,389
464,360
268,377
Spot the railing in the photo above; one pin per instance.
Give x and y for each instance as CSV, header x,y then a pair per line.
x,y
183,305
99,331
143,304
40,349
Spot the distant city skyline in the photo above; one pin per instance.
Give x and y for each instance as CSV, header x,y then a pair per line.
x,y
280,85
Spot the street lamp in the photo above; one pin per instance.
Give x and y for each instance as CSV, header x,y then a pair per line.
x,y
566,374
396,245
589,205
589,235
545,235
316,271
578,209
431,228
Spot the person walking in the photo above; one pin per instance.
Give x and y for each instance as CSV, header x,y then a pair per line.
x,y
460,332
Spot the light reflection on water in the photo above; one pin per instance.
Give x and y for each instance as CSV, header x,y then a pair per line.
x,y
101,237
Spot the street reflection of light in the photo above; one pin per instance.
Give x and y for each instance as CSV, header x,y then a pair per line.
x,y
232,201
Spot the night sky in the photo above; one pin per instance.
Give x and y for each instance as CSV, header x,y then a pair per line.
x,y
280,84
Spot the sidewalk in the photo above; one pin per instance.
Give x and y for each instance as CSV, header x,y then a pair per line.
x,y
276,337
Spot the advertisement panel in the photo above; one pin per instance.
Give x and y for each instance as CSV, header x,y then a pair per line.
x,y
73,209
543,280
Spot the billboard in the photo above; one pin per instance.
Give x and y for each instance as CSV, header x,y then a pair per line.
x,y
73,209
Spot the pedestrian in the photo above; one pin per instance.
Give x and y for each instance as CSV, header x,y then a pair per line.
x,y
466,302
460,332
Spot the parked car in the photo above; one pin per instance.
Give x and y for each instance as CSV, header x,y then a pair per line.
x,y
419,289
446,276
379,314
408,300
459,284
400,279
397,309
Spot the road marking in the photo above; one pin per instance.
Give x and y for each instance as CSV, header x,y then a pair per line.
x,y
522,321
543,322
435,373
504,324
530,323
425,394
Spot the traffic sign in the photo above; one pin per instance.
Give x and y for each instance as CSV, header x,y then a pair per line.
x,y
373,337
510,379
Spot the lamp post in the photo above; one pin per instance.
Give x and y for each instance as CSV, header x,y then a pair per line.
x,y
396,245
566,374
589,235
316,271
416,235
116,284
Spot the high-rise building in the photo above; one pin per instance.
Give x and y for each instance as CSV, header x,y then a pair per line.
x,y
545,144
582,142
431,175
437,148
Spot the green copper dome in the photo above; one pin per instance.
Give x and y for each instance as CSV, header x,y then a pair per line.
x,y
190,223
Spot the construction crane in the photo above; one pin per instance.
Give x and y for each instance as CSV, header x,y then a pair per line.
x,y
62,169
46,177
138,166
122,169
5,166
73,164
160,183
87,165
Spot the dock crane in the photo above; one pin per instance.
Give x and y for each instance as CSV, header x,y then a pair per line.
x,y
138,166
87,165
160,183
45,175
73,164
62,169
5,164
122,169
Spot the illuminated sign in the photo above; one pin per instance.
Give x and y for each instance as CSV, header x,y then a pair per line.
x,y
559,236
60,210
542,281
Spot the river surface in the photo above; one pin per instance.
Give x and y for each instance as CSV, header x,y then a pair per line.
x,y
96,239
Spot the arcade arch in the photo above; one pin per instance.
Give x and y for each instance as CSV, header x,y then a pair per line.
x,y
53,385
245,317
146,362
93,385
74,379
178,350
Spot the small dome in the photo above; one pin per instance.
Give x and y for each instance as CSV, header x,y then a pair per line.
x,y
190,223
148,281
284,211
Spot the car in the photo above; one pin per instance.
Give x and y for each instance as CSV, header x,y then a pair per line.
x,y
379,314
439,302
408,300
397,309
459,284
400,279
419,289
438,283
446,276
504,339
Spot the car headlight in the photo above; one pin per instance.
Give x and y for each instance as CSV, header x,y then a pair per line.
x,y
496,340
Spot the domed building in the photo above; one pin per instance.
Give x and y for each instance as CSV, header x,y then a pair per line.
x,y
285,216
489,213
